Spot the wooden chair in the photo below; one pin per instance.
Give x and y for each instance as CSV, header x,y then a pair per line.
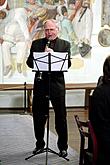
x,y
88,145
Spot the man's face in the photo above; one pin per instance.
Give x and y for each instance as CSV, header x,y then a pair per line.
x,y
51,30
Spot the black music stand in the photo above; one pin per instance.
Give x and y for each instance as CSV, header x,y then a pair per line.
x,y
49,62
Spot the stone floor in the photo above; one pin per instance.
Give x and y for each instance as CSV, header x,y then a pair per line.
x,y
17,142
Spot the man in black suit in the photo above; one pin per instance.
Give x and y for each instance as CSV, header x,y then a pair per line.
x,y
55,90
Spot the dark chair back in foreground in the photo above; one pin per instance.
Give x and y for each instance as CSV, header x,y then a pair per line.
x,y
88,143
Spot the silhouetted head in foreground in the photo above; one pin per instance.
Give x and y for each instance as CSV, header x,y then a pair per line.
x,y
106,70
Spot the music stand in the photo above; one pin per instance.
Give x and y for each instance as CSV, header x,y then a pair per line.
x,y
44,61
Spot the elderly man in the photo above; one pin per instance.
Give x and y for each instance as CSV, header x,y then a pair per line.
x,y
53,91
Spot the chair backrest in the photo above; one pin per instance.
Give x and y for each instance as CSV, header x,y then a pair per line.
x,y
87,133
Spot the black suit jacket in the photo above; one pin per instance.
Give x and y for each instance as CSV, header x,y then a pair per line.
x,y
100,111
57,82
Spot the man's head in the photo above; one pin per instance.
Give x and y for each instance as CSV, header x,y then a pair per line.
x,y
51,29
106,69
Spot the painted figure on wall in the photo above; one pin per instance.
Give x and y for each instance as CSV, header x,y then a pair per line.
x,y
82,19
67,30
105,19
38,14
15,34
104,33
3,13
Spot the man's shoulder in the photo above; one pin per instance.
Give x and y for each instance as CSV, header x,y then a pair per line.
x,y
101,89
63,41
39,40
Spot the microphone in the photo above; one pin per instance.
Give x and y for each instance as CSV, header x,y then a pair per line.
x,y
47,44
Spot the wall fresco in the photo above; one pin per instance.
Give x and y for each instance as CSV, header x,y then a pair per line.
x,y
28,17
105,19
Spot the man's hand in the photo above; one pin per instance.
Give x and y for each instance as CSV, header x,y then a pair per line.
x,y
48,50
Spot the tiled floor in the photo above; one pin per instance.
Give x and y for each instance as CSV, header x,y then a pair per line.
x,y
17,142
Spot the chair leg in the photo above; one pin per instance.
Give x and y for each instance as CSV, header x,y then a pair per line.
x,y
81,159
